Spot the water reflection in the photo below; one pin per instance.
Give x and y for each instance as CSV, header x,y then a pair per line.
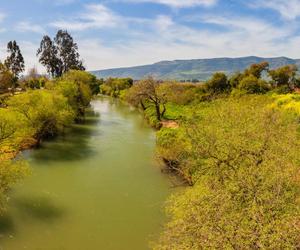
x,y
39,208
6,224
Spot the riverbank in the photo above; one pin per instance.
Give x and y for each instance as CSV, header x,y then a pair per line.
x,y
98,182
235,142
30,117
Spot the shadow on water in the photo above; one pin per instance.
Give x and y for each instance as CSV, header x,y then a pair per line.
x,y
6,224
92,118
73,145
39,208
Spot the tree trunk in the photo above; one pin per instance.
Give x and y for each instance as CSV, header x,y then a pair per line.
x,y
164,111
143,105
158,115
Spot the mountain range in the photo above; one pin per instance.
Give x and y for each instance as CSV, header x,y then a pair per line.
x,y
200,69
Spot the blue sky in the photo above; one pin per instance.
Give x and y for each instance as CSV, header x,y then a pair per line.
x,y
118,33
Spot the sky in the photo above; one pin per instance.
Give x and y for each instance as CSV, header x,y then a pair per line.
x,y
121,33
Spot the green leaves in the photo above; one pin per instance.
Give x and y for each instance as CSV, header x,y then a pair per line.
x,y
243,158
47,113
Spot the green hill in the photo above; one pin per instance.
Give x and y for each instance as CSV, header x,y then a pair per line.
x,y
200,69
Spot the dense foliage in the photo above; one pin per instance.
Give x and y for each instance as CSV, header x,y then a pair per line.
x,y
243,162
115,86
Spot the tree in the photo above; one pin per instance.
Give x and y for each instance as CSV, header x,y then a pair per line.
x,y
11,172
252,85
218,83
7,79
114,86
8,125
147,93
257,69
235,79
60,55
244,162
33,80
76,86
48,56
284,76
45,112
68,51
15,61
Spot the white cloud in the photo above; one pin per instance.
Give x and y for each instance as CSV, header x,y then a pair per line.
x,y
144,41
169,41
28,50
94,16
288,9
29,27
178,3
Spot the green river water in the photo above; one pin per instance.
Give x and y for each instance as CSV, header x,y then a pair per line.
x,y
96,188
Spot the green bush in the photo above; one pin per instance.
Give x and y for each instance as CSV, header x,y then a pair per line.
x,y
46,112
252,85
218,83
114,86
242,156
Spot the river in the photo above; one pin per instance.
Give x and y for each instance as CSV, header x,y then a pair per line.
x,y
96,188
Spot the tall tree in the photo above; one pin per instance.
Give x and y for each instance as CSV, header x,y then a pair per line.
x,y
15,61
68,51
285,75
59,55
257,69
49,57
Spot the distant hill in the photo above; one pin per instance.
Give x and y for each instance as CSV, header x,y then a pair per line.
x,y
200,69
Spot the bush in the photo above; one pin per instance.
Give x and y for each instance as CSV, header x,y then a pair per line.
x,y
76,87
289,103
11,172
114,86
83,78
179,93
218,83
252,85
244,164
46,113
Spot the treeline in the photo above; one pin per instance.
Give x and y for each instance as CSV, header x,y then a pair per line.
x,y
41,106
153,96
257,79
235,141
36,114
59,55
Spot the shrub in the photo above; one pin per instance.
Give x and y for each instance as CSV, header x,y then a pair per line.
x,y
11,172
47,113
244,163
114,86
252,85
218,83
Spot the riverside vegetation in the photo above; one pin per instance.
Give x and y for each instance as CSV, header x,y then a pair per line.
x,y
234,140
236,145
35,107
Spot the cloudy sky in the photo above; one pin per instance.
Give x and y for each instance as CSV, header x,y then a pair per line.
x,y
117,33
